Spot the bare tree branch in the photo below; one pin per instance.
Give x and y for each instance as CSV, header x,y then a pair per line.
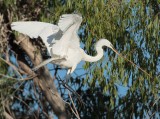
x,y
44,79
77,114
14,67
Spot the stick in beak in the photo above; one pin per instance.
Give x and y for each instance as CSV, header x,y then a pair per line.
x,y
129,61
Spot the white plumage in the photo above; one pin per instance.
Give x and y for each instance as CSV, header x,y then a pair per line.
x,y
61,40
34,29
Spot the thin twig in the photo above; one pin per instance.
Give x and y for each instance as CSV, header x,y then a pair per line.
x,y
153,105
25,104
6,76
14,91
71,90
14,67
156,101
77,114
152,115
71,108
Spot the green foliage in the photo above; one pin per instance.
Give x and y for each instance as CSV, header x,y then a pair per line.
x,y
6,88
133,28
3,67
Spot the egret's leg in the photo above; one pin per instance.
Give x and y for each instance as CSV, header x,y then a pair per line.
x,y
67,78
73,68
42,64
46,62
69,71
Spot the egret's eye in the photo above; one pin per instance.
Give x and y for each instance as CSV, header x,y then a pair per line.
x,y
104,48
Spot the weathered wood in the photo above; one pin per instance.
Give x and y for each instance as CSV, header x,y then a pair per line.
x,y
44,79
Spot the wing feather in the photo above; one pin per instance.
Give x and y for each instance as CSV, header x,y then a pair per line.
x,y
48,32
67,20
70,35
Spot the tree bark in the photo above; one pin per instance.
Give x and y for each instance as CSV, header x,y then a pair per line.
x,y
43,79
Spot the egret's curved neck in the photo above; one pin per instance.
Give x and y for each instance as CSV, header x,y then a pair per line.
x,y
99,55
98,46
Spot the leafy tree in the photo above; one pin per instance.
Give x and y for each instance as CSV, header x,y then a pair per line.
x,y
133,28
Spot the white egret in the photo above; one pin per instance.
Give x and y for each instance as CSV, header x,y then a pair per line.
x,y
62,41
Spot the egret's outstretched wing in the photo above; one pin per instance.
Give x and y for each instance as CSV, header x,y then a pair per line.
x,y
48,32
67,20
65,23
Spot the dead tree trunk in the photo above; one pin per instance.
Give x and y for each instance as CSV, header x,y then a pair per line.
x,y
43,79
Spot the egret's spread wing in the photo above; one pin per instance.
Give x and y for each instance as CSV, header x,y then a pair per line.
x,y
69,24
48,32
67,20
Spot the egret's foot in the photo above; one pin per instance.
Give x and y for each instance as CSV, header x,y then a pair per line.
x,y
35,68
67,78
38,66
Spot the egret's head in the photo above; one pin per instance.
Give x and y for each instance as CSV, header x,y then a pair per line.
x,y
77,13
78,18
103,43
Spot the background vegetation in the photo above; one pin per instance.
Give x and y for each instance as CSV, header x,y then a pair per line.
x,y
110,88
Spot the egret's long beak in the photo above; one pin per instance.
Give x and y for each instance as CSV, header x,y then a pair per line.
x,y
129,60
115,51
